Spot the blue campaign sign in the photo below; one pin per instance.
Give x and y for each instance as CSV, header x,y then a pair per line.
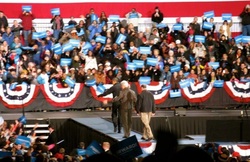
x,y
70,82
55,11
226,16
152,61
207,25
209,14
101,88
94,148
245,39
23,140
214,65
65,61
131,66
144,80
238,39
218,83
145,50
101,39
90,83
26,8
174,94
74,42
175,68
161,25
199,38
127,149
81,152
114,18
138,63
178,27
120,39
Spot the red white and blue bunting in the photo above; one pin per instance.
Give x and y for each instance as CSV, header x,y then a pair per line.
x,y
198,92
61,96
19,96
238,91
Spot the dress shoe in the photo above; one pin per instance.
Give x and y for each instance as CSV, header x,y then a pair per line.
x,y
144,138
125,137
149,139
119,131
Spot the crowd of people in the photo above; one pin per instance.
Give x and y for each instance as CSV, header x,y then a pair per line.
x,y
24,58
166,149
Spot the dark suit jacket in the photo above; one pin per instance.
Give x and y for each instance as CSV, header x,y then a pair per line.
x,y
51,139
145,102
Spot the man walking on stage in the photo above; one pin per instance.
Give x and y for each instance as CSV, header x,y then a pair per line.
x,y
116,106
145,107
128,99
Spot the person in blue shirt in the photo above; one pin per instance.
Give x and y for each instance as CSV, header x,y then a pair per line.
x,y
8,36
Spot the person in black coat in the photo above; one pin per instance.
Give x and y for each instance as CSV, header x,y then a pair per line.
x,y
145,107
116,113
52,139
157,16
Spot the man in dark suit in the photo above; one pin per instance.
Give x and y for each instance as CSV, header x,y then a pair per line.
x,y
116,106
51,140
145,107
128,99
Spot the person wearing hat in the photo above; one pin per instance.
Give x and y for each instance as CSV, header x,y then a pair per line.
x,y
145,108
116,106
57,25
157,16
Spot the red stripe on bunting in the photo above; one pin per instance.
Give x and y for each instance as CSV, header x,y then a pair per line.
x,y
61,104
11,106
93,92
158,101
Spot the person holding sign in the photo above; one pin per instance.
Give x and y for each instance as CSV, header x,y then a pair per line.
x,y
245,20
133,18
27,24
128,98
225,29
57,25
145,107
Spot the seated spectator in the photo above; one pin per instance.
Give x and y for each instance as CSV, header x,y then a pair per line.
x,y
100,77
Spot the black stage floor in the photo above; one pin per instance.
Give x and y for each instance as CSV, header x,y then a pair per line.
x,y
63,114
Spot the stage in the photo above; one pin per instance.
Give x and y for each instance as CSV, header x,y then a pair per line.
x,y
76,126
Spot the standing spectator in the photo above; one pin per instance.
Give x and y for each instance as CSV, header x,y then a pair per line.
x,y
88,21
195,26
157,16
103,19
16,28
72,21
27,24
51,140
57,25
116,106
146,109
90,61
3,20
225,29
133,17
128,99
245,16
